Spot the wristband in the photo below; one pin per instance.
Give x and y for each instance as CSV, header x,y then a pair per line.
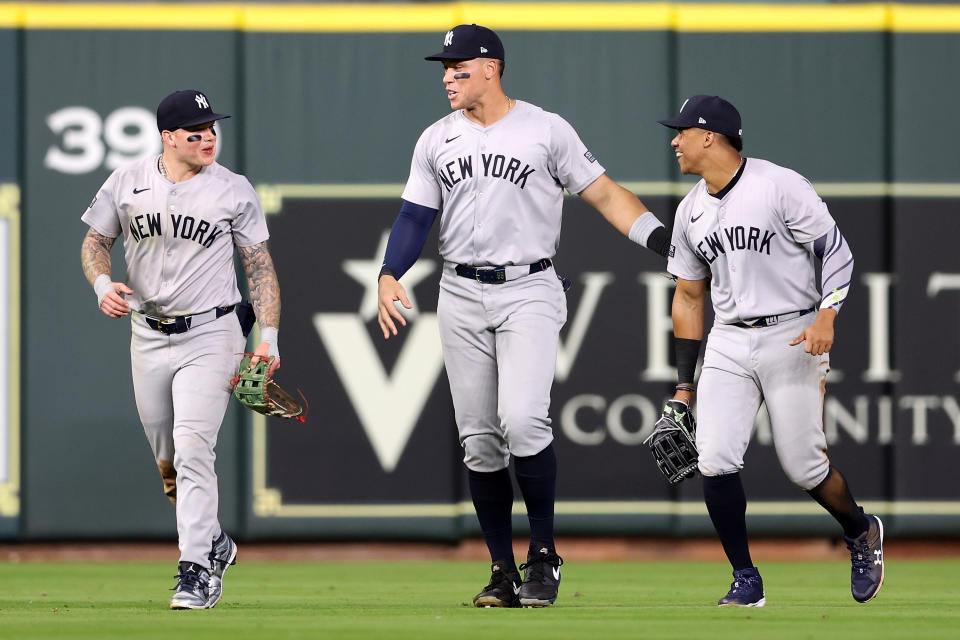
x,y
642,228
102,286
685,387
270,336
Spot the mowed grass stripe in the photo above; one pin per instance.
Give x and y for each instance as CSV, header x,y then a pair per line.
x,y
420,600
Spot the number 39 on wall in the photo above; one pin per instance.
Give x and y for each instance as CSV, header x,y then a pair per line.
x,y
87,142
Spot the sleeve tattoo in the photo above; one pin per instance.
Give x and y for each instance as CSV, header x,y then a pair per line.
x,y
95,255
263,284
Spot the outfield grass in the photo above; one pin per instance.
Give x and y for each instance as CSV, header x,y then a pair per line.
x,y
420,600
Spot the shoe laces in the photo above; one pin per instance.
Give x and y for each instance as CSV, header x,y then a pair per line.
x,y
191,582
537,564
859,556
741,586
500,576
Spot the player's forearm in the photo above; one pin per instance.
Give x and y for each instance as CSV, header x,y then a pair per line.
x,y
95,255
687,310
263,284
618,206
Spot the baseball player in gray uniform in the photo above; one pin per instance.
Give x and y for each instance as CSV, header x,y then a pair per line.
x,y
182,215
497,168
754,231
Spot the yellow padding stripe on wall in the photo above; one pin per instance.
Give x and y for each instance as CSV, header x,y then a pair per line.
x,y
430,17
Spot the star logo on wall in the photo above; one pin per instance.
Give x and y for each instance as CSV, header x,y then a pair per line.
x,y
366,271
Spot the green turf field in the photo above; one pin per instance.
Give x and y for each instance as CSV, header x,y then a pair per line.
x,y
920,599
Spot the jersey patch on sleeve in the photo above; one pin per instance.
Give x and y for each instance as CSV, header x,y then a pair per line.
x,y
589,156
94,201
673,251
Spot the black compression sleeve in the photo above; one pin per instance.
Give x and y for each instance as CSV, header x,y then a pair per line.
x,y
659,241
687,353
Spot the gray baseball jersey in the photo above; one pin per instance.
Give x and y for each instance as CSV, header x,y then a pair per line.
x,y
179,237
500,187
755,243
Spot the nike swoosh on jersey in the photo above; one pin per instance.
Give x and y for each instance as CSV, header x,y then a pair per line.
x,y
451,139
136,191
697,218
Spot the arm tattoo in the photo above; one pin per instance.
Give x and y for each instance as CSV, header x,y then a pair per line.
x,y
95,255
263,284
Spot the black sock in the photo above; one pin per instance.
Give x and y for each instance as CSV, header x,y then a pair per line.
x,y
727,505
537,477
492,495
833,494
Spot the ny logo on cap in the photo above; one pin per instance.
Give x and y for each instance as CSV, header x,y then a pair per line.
x,y
202,101
448,39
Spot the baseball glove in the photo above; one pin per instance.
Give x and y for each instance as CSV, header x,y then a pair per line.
x,y
673,442
257,391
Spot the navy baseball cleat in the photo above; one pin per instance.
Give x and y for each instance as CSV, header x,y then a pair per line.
x,y
746,590
504,587
222,556
866,559
541,578
191,589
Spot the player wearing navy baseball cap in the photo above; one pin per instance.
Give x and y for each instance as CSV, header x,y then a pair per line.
x,y
759,239
498,167
184,218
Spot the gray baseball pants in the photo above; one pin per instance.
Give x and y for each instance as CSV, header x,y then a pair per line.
x,y
500,351
744,367
182,386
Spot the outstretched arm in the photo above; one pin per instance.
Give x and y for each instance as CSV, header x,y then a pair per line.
x,y
265,296
627,214
95,259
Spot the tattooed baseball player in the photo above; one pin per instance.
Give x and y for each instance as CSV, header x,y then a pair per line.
x,y
182,215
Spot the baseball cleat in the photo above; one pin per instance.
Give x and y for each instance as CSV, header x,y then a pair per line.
x,y
746,590
222,555
866,559
504,587
191,589
541,578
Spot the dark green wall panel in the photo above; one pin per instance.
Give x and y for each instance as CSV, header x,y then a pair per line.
x,y
813,102
925,97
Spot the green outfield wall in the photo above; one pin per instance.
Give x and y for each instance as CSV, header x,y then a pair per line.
x,y
328,101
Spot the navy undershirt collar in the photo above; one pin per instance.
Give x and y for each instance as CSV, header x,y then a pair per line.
x,y
736,178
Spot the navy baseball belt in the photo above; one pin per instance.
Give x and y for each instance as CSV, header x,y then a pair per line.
x,y
769,321
182,324
499,275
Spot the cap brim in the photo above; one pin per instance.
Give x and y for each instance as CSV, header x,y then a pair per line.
x,y
674,124
212,117
450,56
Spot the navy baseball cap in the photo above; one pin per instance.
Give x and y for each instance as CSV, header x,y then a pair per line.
x,y
712,113
469,41
185,108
